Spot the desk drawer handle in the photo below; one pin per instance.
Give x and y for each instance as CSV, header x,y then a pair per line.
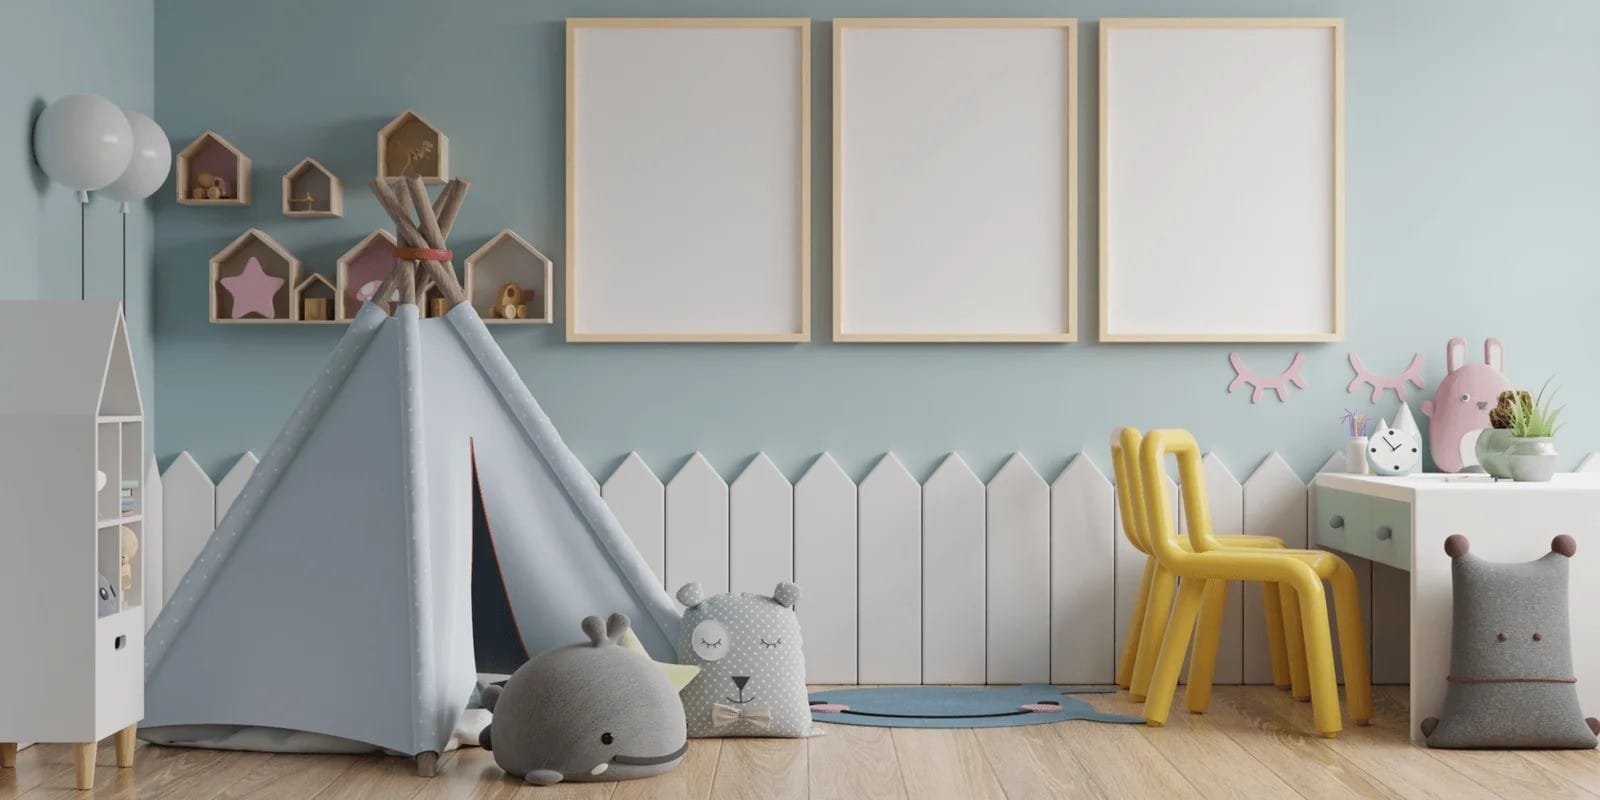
x,y
1385,533
1336,522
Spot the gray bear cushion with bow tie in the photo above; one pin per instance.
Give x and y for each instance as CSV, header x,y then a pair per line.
x,y
1511,681
752,679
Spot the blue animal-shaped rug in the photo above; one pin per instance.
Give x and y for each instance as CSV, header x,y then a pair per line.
x,y
959,706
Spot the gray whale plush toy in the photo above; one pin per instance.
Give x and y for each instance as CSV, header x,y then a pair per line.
x,y
595,711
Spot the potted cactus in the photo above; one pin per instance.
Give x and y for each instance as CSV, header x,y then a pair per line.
x,y
1534,424
1494,441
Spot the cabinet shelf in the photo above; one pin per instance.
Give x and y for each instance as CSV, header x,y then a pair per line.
x,y
71,669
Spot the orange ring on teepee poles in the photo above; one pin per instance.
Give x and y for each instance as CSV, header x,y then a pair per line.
x,y
422,254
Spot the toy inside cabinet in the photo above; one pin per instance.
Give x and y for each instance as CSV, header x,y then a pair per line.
x,y
71,500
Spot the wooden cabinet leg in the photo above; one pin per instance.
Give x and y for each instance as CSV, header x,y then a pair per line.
x,y
428,764
8,755
83,759
125,741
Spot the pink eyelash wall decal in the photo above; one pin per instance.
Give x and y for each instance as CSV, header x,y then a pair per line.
x,y
1259,384
1413,374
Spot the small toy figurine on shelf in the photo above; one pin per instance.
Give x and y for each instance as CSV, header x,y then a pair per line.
x,y
513,302
107,601
315,309
210,186
416,155
130,548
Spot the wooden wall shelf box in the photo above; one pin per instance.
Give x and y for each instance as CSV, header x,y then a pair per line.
x,y
226,170
508,258
312,191
369,260
410,143
275,260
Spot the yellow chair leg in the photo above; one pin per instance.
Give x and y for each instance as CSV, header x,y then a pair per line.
x,y
1294,644
1208,636
1352,646
1156,610
1319,656
1169,661
1130,644
1272,609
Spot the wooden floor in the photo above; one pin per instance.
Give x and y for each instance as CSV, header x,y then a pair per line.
x,y
1254,743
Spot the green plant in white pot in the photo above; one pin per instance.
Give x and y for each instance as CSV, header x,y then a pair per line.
x,y
1534,423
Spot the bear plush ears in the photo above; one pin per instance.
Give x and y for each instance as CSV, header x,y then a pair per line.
x,y
1456,546
607,631
786,594
691,595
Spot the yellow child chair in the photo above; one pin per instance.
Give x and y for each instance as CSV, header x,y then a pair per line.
x,y
1153,602
1204,565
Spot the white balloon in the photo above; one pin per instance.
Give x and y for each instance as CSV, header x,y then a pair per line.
x,y
83,141
152,159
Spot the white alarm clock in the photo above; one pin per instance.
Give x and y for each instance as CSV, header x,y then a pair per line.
x,y
1394,451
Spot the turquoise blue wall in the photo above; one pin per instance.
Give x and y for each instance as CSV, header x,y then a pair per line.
x,y
1473,185
55,48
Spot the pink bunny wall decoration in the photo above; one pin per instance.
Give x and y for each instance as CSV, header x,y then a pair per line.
x,y
1461,404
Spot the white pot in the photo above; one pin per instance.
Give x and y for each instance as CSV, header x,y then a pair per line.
x,y
1533,458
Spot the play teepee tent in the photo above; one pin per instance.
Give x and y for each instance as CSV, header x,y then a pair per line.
x,y
335,597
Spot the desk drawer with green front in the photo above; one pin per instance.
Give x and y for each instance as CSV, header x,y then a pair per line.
x,y
1373,528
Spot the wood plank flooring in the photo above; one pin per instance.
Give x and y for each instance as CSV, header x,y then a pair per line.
x,y
1254,743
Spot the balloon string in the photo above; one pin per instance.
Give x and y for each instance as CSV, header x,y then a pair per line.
x,y
124,266
83,251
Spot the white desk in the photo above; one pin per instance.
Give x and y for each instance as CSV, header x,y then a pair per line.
x,y
1403,522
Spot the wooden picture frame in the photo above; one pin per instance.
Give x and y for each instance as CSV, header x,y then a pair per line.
x,y
688,208
1177,264
955,205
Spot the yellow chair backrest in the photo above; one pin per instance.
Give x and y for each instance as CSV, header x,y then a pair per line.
x,y
1160,531
1130,492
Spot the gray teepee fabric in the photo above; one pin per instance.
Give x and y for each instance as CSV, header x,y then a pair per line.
x,y
334,598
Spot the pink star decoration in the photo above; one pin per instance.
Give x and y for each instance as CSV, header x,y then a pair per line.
x,y
252,290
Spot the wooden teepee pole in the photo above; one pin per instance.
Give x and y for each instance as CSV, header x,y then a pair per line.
x,y
407,232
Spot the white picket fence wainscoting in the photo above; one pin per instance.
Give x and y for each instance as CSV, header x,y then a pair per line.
x,y
948,581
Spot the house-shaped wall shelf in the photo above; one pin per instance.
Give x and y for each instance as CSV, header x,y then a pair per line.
x,y
72,667
409,144
212,172
362,267
312,191
314,300
240,292
506,259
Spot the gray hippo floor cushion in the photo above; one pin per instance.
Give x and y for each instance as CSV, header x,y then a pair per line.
x,y
1511,682
752,679
595,711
